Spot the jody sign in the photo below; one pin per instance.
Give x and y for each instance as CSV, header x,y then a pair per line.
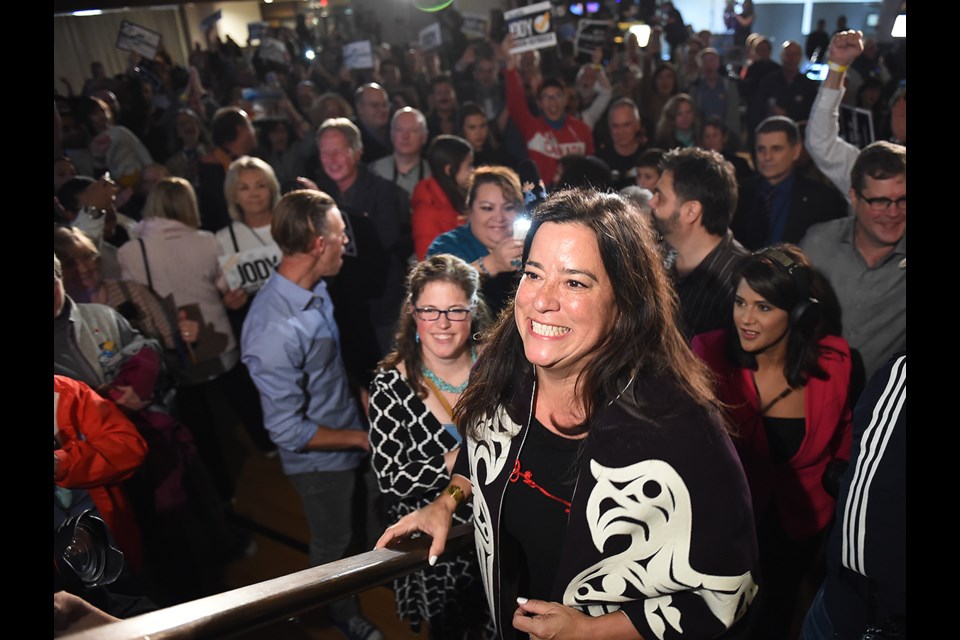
x,y
531,27
251,268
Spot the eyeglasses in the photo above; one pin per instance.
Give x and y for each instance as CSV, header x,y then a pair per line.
x,y
882,204
70,262
552,97
429,314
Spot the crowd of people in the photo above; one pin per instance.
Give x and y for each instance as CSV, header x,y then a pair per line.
x,y
622,305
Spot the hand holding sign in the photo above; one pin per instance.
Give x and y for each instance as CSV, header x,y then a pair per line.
x,y
233,299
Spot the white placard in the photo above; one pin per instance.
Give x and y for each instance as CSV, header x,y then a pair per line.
x,y
430,37
358,55
250,269
531,27
592,34
133,37
475,24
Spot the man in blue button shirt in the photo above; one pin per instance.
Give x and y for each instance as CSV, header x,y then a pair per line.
x,y
291,345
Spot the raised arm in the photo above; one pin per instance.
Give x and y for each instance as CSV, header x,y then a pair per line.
x,y
516,99
832,154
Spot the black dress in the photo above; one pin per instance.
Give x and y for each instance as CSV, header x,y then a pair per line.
x,y
407,444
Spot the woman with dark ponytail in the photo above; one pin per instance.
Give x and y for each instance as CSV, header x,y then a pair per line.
x,y
437,202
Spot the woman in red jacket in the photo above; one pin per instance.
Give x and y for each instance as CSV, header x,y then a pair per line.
x,y
438,201
786,387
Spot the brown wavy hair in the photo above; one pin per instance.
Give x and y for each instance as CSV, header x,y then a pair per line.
x,y
441,267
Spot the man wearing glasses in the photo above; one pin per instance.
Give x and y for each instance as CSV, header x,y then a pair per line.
x,y
864,258
552,134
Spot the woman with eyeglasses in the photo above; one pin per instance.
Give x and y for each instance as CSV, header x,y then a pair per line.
x,y
786,386
414,440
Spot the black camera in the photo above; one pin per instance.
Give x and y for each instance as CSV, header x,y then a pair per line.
x,y
82,554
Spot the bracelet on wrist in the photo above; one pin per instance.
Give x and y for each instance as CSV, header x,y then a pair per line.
x,y
839,68
456,493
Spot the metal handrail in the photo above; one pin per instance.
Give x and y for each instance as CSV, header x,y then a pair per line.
x,y
244,609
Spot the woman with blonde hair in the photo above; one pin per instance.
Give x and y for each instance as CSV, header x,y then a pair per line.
x,y
180,263
248,251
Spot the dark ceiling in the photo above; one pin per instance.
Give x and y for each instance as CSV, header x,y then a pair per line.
x,y
66,6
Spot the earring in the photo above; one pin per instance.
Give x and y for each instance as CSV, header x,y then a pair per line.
x,y
418,337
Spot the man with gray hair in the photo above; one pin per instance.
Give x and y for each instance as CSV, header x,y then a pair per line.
x,y
786,92
716,94
368,292
405,167
623,152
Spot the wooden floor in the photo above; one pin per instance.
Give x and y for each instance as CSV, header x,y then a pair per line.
x,y
268,503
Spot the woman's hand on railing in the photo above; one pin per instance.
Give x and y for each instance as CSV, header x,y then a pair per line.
x,y
435,520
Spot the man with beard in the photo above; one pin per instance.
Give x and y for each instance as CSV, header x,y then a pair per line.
x,y
692,206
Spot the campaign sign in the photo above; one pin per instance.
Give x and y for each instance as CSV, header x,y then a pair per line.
x,y
133,37
474,24
211,20
250,269
531,27
358,55
856,125
592,35
256,29
272,50
430,37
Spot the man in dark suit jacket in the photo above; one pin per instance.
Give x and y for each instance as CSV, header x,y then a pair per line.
x,y
778,204
368,291
372,105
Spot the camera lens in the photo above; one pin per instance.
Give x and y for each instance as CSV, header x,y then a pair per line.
x,y
84,556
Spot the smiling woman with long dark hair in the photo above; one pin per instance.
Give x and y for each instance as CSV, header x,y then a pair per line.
x,y
607,498
786,385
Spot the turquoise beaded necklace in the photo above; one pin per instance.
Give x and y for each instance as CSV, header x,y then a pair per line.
x,y
443,385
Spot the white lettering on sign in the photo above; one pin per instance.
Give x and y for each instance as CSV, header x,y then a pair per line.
x,y
522,28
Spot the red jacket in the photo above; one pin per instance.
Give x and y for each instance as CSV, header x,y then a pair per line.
x,y
99,449
433,214
796,486
545,145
